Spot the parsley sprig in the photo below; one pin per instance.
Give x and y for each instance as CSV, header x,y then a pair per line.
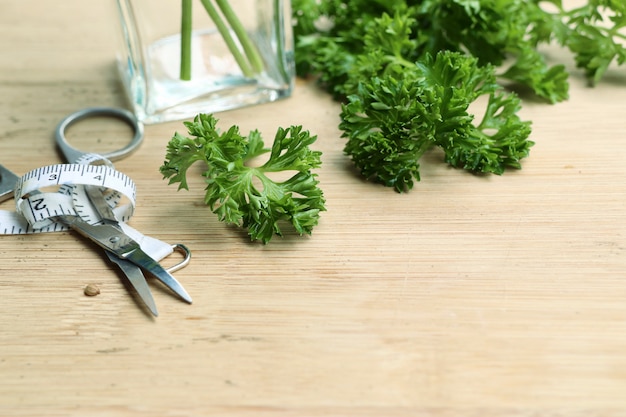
x,y
391,121
246,195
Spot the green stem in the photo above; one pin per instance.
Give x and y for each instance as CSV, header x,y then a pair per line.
x,y
248,46
230,43
185,41
278,27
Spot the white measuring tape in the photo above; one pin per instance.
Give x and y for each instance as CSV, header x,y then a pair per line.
x,y
54,190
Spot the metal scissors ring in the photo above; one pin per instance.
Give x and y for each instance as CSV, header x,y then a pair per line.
x,y
72,154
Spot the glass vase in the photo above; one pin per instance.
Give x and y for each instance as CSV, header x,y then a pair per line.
x,y
181,58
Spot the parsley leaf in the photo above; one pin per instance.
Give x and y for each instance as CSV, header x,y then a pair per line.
x,y
596,36
246,195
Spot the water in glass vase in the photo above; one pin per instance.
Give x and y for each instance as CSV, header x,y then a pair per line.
x,y
151,72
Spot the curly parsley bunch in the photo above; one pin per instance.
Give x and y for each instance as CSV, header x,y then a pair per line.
x,y
409,70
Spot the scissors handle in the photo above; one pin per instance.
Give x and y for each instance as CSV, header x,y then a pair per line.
x,y
72,154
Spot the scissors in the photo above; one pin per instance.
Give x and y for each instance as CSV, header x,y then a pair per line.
x,y
120,248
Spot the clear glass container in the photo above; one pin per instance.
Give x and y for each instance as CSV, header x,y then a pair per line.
x,y
246,60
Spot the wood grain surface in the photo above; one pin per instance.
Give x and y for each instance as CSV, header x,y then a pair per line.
x,y
469,296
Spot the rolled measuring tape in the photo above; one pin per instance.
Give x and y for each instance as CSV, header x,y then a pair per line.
x,y
54,190
39,208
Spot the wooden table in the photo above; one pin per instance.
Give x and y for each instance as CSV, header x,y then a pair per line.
x,y
469,296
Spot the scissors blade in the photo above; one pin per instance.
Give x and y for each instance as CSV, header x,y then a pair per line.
x,y
114,240
137,280
8,181
145,262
